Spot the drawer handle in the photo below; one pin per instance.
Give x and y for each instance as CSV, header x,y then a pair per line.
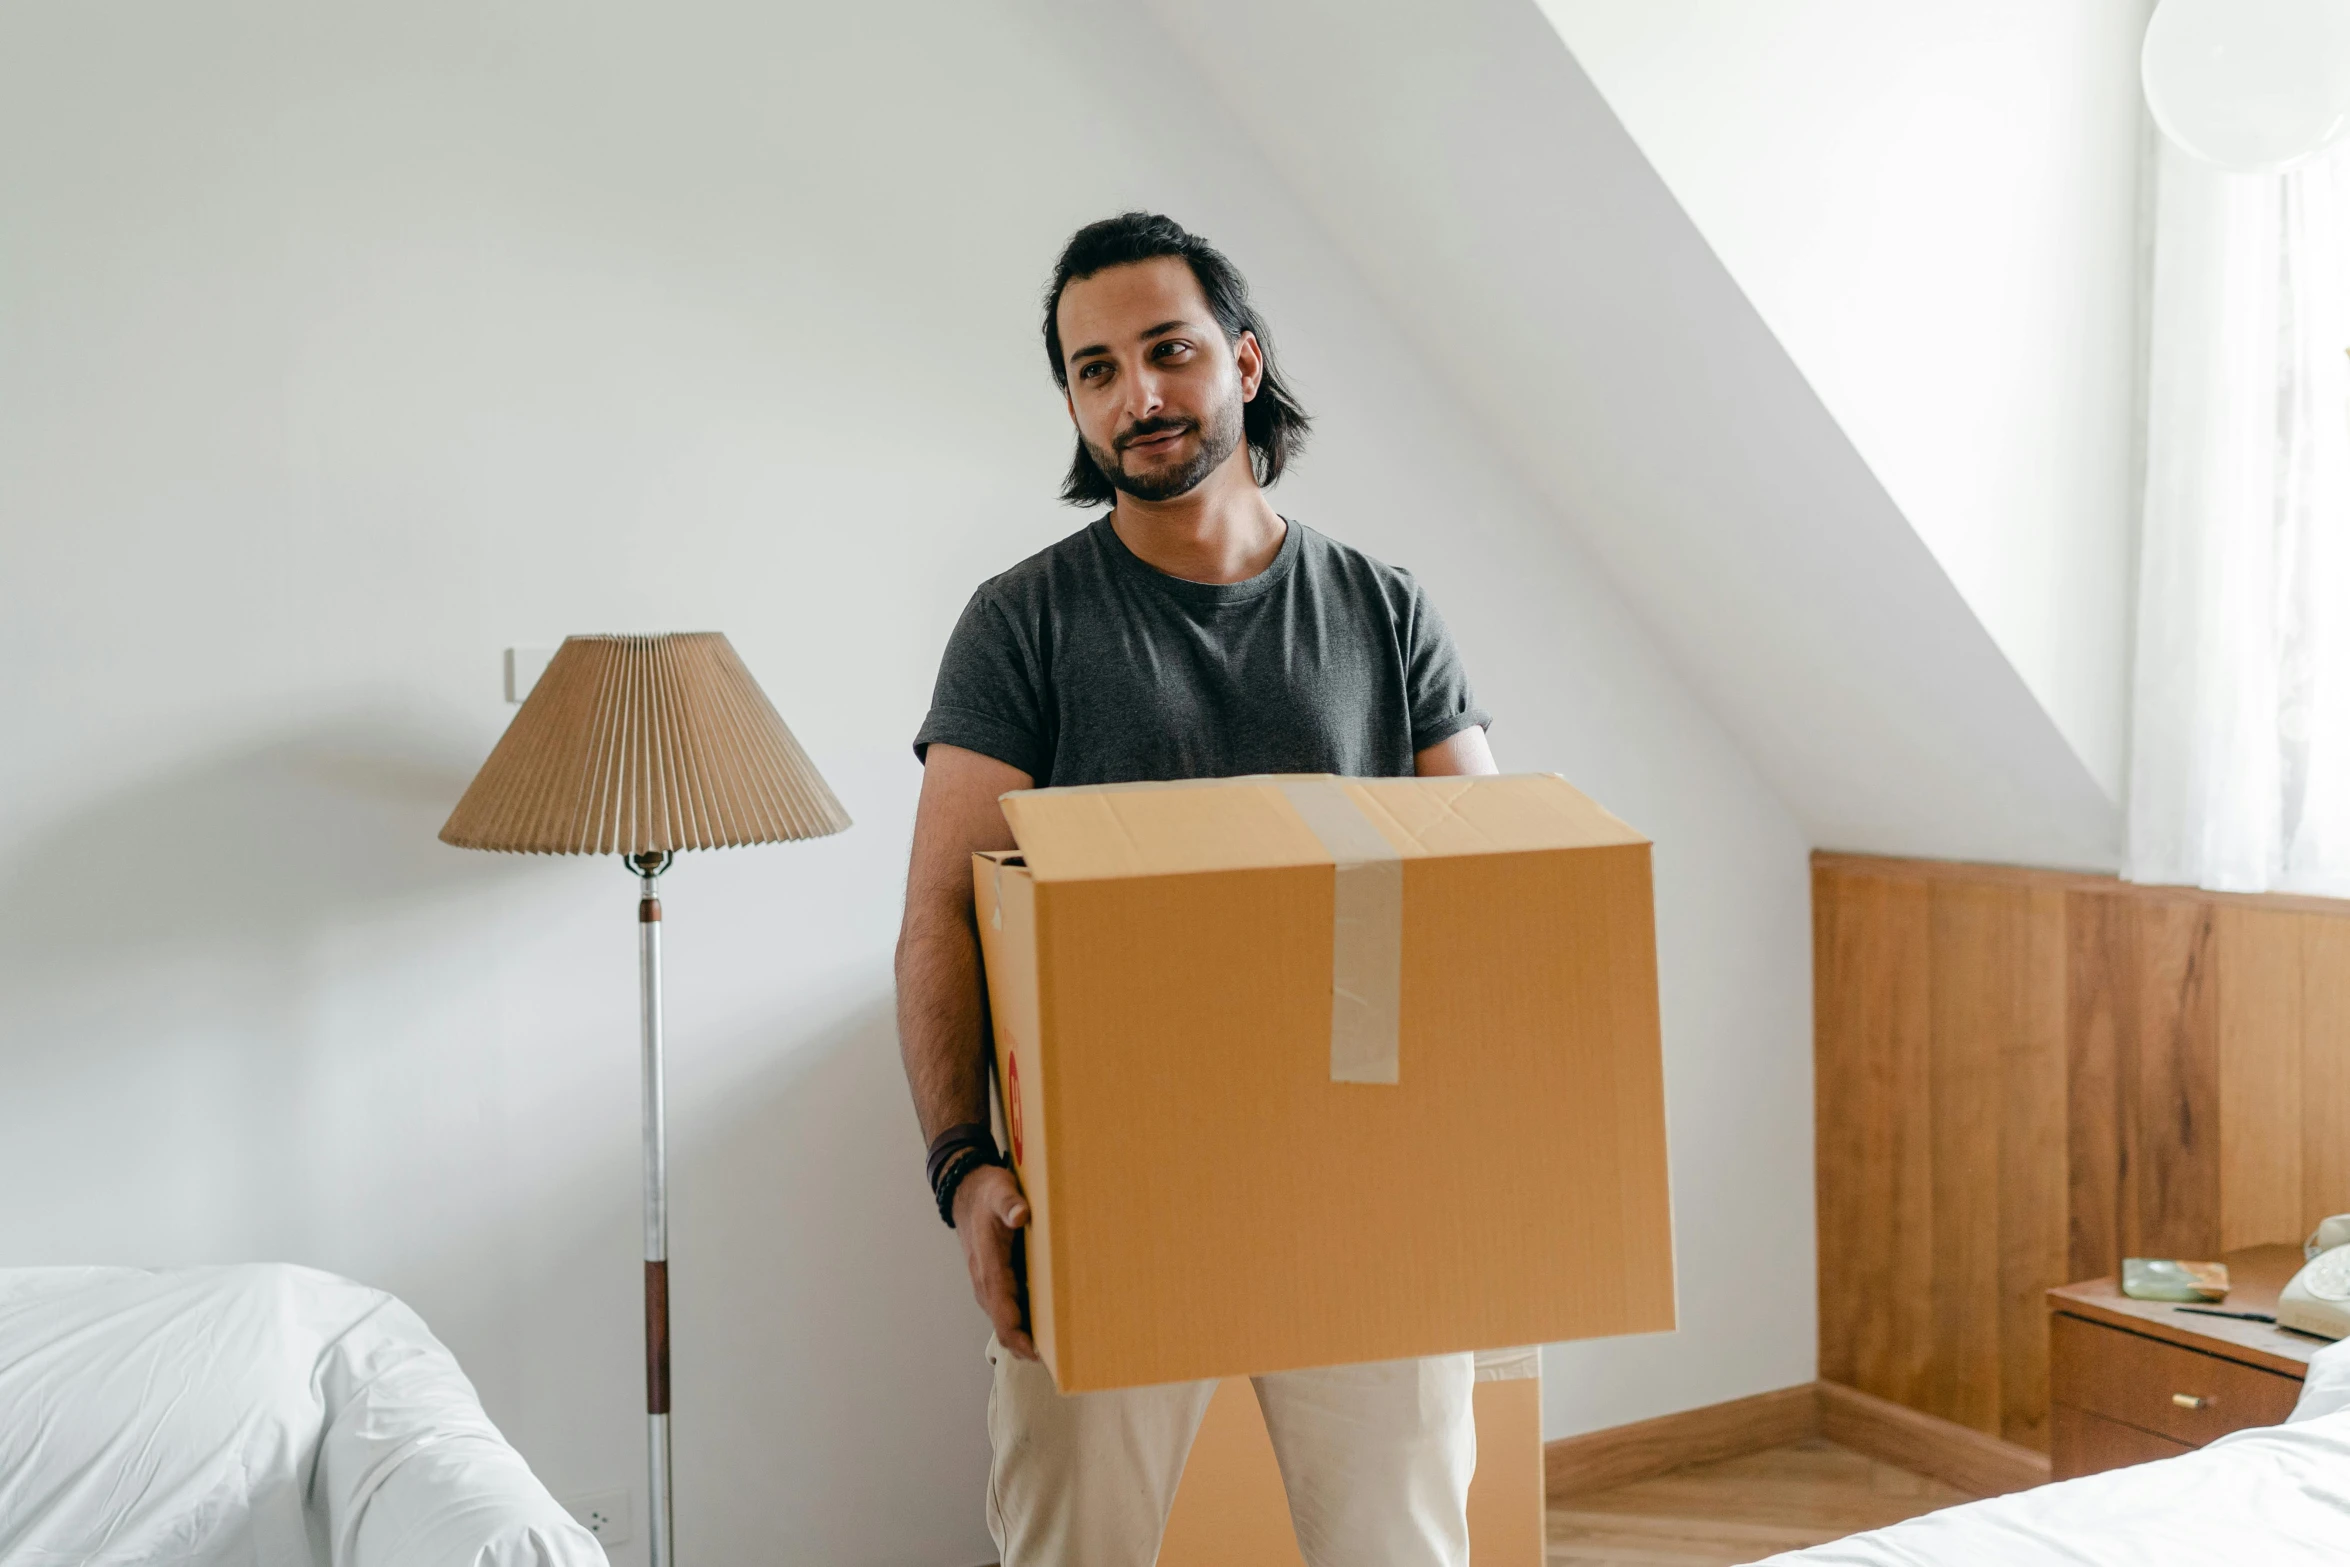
x,y
2190,1401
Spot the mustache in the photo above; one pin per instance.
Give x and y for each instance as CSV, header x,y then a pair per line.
x,y
1143,429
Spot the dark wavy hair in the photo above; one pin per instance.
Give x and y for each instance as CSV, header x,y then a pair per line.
x,y
1273,422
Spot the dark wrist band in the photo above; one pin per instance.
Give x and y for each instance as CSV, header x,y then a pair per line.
x,y
959,1164
954,1154
971,1134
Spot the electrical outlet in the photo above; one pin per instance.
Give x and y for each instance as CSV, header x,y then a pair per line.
x,y
603,1514
524,665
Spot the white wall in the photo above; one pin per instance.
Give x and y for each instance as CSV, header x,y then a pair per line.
x,y
1521,242
339,351
1935,208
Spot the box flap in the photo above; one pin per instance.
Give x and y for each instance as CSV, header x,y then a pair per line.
x,y
1219,824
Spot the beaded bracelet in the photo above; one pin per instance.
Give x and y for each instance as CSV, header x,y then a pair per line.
x,y
959,1164
954,1154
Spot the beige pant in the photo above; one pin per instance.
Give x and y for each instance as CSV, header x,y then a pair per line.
x,y
1376,1460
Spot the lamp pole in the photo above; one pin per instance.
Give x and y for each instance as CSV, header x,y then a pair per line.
x,y
661,1545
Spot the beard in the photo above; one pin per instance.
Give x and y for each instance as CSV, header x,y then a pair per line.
x,y
1218,438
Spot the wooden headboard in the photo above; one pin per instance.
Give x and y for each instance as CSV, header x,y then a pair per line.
x,y
2023,1076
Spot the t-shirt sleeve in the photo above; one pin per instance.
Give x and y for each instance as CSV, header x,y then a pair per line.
x,y
1436,685
987,697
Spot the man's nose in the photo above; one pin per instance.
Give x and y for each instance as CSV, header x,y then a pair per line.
x,y
1143,397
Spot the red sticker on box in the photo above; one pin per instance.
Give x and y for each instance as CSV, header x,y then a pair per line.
x,y
1012,1102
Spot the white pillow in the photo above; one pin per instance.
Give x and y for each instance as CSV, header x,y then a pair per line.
x,y
2326,1390
148,1417
258,1416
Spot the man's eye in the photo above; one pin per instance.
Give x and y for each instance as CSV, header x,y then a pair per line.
x,y
1174,350
1093,372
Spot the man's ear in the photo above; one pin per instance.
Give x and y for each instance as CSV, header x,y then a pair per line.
x,y
1069,401
1250,361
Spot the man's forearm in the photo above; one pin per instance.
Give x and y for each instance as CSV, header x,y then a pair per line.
x,y
942,1008
941,1017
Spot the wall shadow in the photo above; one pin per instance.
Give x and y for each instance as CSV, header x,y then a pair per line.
x,y
255,842
182,1078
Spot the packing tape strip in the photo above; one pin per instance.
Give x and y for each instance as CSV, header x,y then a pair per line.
x,y
1509,1365
1366,933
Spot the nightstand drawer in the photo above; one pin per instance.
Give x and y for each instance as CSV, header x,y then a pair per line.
x,y
2080,1443
2173,1392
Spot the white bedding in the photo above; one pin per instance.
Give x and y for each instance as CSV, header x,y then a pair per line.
x,y
2278,1496
250,1417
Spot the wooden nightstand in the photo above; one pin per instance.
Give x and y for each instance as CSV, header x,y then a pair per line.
x,y
2134,1380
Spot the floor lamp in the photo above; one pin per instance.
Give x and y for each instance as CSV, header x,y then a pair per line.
x,y
645,747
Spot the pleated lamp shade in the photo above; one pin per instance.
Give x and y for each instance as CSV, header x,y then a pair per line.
x,y
634,745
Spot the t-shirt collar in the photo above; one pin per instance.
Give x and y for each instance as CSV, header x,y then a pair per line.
x,y
1183,588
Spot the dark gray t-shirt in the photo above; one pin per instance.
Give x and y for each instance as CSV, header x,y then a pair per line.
x,y
1084,665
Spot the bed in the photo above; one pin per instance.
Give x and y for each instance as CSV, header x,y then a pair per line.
x,y
259,1416
2277,1496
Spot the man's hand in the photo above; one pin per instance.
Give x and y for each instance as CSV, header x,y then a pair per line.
x,y
988,1211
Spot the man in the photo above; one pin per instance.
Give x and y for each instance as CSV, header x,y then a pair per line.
x,y
1189,632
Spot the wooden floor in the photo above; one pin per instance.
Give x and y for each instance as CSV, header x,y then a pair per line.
x,y
1739,1510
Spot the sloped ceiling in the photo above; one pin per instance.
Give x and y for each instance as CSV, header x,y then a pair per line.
x,y
1467,166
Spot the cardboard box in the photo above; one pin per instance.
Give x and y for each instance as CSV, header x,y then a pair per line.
x,y
1231,1510
1311,1071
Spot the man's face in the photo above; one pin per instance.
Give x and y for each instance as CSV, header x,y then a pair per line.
x,y
1154,388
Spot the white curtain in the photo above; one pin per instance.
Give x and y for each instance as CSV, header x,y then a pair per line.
x,y
2240,748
